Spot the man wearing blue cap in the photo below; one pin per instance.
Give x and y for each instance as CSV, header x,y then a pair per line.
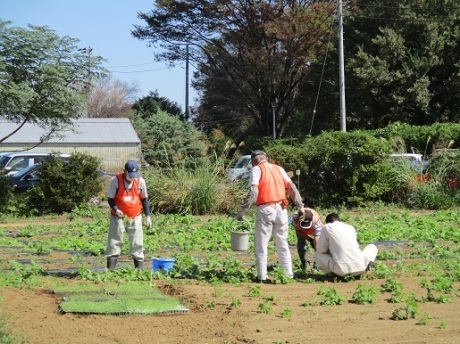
x,y
127,197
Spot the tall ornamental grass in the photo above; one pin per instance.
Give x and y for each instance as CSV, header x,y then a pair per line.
x,y
435,188
201,190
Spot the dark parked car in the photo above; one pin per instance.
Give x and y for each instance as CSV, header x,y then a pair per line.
x,y
26,178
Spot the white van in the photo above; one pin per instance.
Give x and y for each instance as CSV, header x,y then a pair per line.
x,y
416,160
12,162
241,169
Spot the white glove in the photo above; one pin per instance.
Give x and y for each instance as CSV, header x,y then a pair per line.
x,y
148,222
120,213
240,214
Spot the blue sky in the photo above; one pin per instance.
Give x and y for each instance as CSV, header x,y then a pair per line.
x,y
105,26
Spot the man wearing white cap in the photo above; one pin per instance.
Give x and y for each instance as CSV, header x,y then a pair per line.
x,y
307,230
268,184
127,197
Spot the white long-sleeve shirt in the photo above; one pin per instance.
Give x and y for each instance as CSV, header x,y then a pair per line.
x,y
340,241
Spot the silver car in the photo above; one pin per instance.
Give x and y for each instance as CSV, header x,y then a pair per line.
x,y
241,169
12,162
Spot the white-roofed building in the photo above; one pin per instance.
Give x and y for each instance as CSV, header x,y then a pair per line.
x,y
112,140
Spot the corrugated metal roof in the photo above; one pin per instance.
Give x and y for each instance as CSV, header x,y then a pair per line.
x,y
87,130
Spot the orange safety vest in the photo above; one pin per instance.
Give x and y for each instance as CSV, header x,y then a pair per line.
x,y
304,232
128,201
272,186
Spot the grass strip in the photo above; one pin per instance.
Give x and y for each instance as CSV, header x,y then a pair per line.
x,y
117,299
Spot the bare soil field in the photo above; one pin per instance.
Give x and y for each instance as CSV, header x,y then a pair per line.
x,y
34,318
33,315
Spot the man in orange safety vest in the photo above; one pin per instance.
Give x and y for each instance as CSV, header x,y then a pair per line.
x,y
268,184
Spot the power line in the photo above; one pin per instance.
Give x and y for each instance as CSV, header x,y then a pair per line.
x,y
433,12
134,65
407,19
138,71
223,120
322,75
411,8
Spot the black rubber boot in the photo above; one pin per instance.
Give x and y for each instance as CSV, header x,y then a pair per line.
x,y
370,266
138,264
112,262
303,265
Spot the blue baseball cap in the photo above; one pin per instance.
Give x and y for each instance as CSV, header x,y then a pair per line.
x,y
132,168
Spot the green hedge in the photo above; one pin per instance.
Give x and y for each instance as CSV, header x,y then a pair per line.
x,y
421,139
353,168
337,168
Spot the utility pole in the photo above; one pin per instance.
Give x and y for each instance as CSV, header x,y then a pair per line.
x,y
186,82
343,121
88,50
273,117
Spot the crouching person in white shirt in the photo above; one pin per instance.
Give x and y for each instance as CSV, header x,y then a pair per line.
x,y
338,252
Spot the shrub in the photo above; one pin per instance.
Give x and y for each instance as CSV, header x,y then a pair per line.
x,y
337,168
166,140
353,168
66,185
291,158
423,138
6,195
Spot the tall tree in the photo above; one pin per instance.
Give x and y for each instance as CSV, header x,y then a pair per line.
x,y
110,97
251,55
403,62
168,141
152,103
42,77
